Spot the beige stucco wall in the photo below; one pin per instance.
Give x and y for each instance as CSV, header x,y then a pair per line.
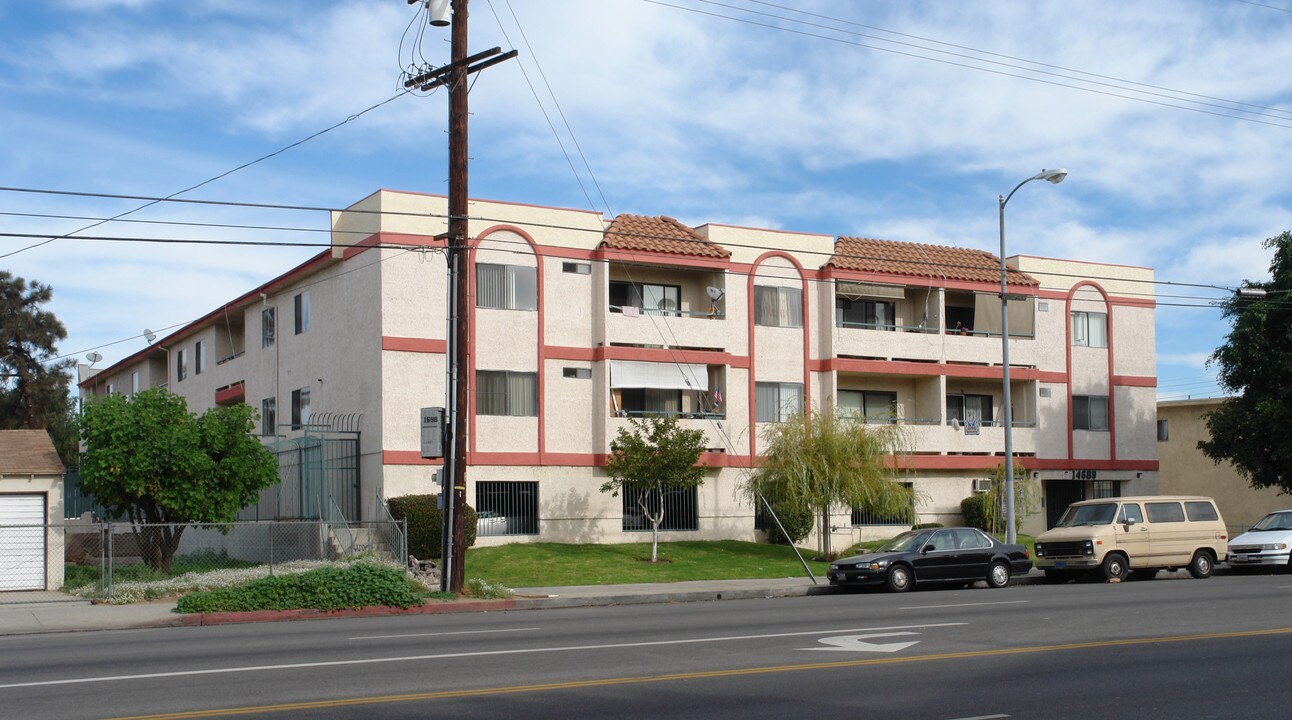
x,y
1186,471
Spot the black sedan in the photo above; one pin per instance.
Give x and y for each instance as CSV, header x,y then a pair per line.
x,y
936,555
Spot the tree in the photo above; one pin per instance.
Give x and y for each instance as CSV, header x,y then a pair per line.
x,y
820,459
1255,365
34,389
655,459
1027,499
148,458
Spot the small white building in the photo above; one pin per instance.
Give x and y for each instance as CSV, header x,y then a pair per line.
x,y
31,512
582,322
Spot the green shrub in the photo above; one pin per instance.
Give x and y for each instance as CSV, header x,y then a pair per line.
x,y
926,526
426,523
977,512
327,588
797,522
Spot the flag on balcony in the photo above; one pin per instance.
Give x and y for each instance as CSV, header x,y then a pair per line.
x,y
717,397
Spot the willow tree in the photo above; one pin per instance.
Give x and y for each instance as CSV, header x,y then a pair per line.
x,y
820,459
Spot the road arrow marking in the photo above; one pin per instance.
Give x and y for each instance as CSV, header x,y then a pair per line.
x,y
857,643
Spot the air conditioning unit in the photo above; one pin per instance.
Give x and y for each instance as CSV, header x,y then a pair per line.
x,y
982,485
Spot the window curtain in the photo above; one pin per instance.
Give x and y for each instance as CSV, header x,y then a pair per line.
x,y
767,397
491,286
1097,329
765,312
1079,335
791,307
522,394
491,392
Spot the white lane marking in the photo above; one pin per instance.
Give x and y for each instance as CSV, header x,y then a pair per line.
x,y
934,607
440,656
983,717
433,634
857,643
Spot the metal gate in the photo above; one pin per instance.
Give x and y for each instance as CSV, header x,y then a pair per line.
x,y
315,470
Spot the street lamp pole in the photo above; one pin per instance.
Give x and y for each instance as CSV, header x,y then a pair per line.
x,y
1055,177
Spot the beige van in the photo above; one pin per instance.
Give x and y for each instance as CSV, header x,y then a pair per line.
x,y
1134,536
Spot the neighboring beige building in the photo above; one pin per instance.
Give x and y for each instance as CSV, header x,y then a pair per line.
x,y
1186,471
31,512
582,322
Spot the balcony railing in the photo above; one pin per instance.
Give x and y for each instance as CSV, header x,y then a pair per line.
x,y
631,310
884,327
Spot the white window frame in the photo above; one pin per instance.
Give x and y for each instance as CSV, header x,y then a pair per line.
x,y
776,306
506,287
1089,329
1085,414
784,399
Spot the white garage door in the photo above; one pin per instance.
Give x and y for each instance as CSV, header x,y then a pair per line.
x,y
22,542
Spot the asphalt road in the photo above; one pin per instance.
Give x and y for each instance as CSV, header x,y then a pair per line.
x,y
1162,649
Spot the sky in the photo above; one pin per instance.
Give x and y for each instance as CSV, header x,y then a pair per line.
x,y
897,120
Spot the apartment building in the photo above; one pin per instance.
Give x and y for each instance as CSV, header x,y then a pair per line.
x,y
581,323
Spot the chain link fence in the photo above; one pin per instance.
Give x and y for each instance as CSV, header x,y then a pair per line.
x,y
122,562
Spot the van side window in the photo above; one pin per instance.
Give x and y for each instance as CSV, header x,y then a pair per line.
x,y
1130,513
1161,512
1201,511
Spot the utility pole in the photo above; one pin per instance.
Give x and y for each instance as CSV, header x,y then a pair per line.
x,y
454,75
459,246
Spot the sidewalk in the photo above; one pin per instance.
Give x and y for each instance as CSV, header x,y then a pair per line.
x,y
80,615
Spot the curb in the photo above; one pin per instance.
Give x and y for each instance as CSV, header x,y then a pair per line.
x,y
257,616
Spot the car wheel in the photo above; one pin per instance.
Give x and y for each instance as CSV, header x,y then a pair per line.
x,y
1057,576
998,575
1115,566
900,578
1201,565
1143,574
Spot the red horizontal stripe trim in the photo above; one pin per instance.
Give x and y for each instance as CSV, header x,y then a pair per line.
x,y
1062,295
900,367
406,457
418,345
1134,381
1064,464
661,355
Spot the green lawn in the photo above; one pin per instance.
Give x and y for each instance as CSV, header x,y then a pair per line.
x,y
547,564
554,564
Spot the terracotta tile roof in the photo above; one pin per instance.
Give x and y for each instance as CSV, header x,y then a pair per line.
x,y
904,258
659,234
28,452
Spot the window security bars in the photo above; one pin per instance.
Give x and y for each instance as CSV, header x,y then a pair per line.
x,y
679,509
506,508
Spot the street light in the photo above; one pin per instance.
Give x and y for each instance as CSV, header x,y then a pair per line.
x,y
1055,177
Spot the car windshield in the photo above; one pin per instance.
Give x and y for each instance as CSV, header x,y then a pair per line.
x,y
905,542
1275,521
1097,514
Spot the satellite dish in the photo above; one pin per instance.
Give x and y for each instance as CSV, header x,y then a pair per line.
x,y
93,357
149,335
715,293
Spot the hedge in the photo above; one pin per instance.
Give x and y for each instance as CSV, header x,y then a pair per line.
x,y
426,522
327,588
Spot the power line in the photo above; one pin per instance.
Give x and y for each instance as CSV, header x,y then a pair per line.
x,y
1003,73
208,181
554,226
995,54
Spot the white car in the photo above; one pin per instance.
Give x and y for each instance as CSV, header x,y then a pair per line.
x,y
1265,545
489,523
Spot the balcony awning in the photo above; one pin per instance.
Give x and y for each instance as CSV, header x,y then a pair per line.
x,y
856,290
661,376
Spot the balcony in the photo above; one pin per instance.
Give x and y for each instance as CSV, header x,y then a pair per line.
x,y
660,306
